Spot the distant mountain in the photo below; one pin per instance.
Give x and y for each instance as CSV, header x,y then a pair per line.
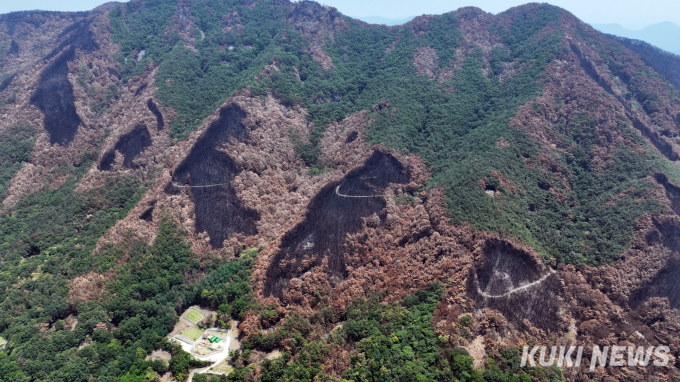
x,y
384,21
665,35
615,29
665,63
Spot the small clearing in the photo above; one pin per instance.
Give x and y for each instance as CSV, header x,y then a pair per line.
x,y
159,354
274,355
224,367
192,333
476,351
194,316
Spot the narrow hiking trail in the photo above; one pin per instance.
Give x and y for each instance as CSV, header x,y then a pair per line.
x,y
337,192
514,290
207,185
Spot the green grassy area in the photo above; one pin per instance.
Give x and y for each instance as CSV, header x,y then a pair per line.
x,y
194,316
192,333
224,367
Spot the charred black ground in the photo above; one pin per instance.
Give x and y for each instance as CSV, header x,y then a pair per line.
x,y
352,137
140,89
130,145
666,284
506,268
154,109
54,96
107,160
335,211
209,173
6,82
497,281
13,48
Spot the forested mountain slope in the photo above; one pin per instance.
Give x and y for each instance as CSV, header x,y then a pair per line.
x,y
413,202
667,64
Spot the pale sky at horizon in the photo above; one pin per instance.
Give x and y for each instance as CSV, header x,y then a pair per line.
x,y
633,14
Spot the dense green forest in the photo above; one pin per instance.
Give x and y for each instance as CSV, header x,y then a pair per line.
x,y
48,240
391,342
16,147
142,301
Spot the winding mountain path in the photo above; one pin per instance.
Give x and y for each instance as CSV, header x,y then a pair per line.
x,y
337,192
207,185
515,290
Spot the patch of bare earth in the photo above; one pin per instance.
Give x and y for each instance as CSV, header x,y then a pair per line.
x,y
426,62
476,350
88,287
318,24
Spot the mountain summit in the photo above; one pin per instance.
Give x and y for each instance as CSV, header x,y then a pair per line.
x,y
365,202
